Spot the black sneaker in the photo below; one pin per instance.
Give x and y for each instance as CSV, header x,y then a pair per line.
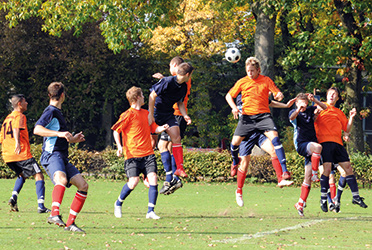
x,y
337,206
331,206
323,206
74,228
174,185
165,188
13,205
43,210
57,219
359,202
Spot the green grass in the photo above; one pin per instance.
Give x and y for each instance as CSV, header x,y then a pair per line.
x,y
198,216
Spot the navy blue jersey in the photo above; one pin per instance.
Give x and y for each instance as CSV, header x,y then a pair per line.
x,y
304,130
168,93
52,118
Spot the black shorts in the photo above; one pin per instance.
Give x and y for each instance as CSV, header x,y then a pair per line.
x,y
135,166
182,124
165,118
261,122
27,167
334,152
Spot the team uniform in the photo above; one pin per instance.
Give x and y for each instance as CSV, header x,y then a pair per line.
x,y
139,154
23,164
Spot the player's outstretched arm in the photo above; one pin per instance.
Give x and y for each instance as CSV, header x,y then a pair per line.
x,y
316,101
275,104
352,114
158,76
42,131
234,108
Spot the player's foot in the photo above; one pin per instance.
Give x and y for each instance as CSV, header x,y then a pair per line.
x,y
331,207
74,228
285,183
239,199
359,202
337,206
165,188
234,168
300,209
43,210
180,172
286,175
323,205
146,182
57,220
315,178
152,215
13,205
174,185
117,210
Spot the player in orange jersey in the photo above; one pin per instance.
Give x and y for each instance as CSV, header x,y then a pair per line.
x,y
135,142
17,154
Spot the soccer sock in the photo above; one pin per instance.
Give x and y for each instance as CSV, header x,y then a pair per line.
x,y
351,181
178,155
340,188
305,190
153,196
174,168
76,206
241,178
324,186
280,153
315,158
125,191
17,187
40,192
329,198
167,163
332,188
57,196
278,168
235,153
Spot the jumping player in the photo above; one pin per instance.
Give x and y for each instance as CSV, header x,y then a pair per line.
x,y
17,154
135,143
54,158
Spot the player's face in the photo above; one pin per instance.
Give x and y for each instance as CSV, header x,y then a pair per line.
x,y
185,78
23,105
252,72
173,68
142,99
332,97
302,104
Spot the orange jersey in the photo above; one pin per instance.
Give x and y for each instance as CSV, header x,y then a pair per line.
x,y
134,127
15,120
329,125
255,93
175,106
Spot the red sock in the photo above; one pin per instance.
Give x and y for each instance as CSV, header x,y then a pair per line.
x,y
305,190
76,206
315,158
57,196
332,189
178,155
278,168
241,178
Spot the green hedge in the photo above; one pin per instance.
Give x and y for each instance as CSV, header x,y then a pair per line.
x,y
199,165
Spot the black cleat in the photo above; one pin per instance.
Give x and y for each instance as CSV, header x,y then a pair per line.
x,y
323,206
331,206
359,201
43,210
57,219
165,188
174,185
13,205
74,228
337,206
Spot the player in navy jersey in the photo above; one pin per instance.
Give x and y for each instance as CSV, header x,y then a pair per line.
x,y
302,118
54,158
164,94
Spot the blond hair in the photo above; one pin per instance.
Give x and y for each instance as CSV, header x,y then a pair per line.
x,y
133,94
252,61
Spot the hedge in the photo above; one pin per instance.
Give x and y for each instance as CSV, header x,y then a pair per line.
x,y
199,165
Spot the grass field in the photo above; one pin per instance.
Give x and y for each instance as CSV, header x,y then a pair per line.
x,y
198,216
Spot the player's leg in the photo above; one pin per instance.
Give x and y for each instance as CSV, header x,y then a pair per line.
x,y
166,160
234,149
40,193
332,191
315,150
305,188
340,188
60,182
174,133
274,138
324,185
15,166
242,174
151,172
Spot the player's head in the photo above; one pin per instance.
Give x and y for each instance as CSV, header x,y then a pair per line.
x,y
56,91
333,95
174,63
184,72
302,101
253,68
134,94
18,102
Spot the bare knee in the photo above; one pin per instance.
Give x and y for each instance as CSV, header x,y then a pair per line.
x,y
133,182
39,177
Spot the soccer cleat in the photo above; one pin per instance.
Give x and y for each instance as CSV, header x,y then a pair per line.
x,y
337,206
13,205
174,185
117,210
239,199
57,220
74,228
165,188
331,207
43,210
180,172
146,182
234,168
286,175
323,205
285,183
300,209
315,178
152,215
359,201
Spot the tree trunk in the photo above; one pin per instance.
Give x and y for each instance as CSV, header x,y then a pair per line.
x,y
107,123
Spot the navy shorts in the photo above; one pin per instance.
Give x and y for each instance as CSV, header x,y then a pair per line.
x,y
248,123
57,161
165,118
182,124
255,138
27,167
135,166
334,152
303,151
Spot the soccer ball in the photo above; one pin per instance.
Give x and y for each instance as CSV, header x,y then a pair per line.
x,y
232,55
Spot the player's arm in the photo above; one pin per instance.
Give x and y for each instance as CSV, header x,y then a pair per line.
x,y
234,108
316,101
119,152
152,99
182,109
16,134
42,131
275,104
295,113
158,76
352,114
162,128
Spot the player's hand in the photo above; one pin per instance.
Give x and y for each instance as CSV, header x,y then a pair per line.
x,y
17,149
119,152
65,134
187,119
235,112
158,76
279,96
151,119
79,137
346,137
310,97
291,102
352,113
163,128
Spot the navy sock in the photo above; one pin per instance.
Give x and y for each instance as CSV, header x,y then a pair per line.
x,y
40,192
329,197
167,162
235,153
153,196
340,188
351,181
324,187
17,187
280,153
124,193
174,168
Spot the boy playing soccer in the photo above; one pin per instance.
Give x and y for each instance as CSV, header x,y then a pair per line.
x,y
17,154
305,142
134,127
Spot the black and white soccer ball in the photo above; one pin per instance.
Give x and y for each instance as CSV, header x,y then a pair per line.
x,y
232,55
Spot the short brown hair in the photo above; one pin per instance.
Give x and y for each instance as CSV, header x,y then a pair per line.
x,y
252,61
302,96
177,60
184,68
15,99
133,93
55,90
337,90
